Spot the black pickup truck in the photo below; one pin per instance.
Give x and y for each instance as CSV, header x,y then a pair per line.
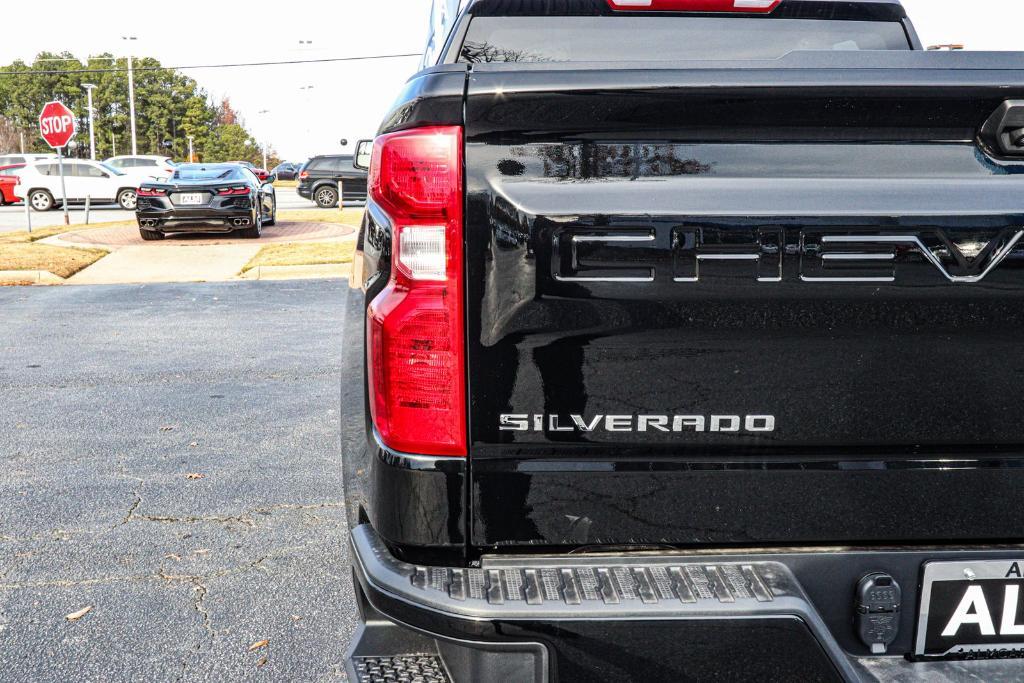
x,y
686,343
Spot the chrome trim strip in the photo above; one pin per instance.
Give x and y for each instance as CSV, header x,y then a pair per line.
x,y
728,257
804,278
613,238
835,256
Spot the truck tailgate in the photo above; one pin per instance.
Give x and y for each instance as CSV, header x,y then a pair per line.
x,y
763,303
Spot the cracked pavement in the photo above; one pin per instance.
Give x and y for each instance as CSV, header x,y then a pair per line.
x,y
112,397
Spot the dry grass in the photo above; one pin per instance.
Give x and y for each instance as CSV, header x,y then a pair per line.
x,y
21,251
42,233
61,261
286,183
303,254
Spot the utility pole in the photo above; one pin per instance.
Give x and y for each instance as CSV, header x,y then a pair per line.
x,y
308,91
113,144
89,87
191,158
23,144
131,94
263,113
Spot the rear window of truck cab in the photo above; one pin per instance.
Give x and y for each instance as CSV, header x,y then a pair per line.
x,y
641,39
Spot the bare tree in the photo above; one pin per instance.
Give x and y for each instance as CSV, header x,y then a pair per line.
x,y
10,136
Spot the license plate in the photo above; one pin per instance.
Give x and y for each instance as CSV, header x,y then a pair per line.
x,y
969,609
191,199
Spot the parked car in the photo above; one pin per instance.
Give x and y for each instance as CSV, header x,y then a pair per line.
x,y
261,173
148,163
22,159
685,347
207,198
287,171
8,180
39,182
319,178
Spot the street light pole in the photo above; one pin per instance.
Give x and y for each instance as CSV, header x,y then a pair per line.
x,y
89,87
191,158
131,95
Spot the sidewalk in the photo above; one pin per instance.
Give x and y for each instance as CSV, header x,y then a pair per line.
x,y
131,265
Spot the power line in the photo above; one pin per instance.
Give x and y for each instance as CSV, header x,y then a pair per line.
x,y
205,66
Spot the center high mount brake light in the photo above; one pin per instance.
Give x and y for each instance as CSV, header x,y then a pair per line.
x,y
730,6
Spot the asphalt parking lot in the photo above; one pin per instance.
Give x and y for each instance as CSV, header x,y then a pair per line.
x,y
12,218
170,460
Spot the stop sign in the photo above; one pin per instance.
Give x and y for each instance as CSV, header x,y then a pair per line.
x,y
57,124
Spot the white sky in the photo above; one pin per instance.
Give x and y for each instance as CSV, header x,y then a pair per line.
x,y
348,99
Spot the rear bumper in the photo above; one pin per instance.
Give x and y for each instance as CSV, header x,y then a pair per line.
x,y
194,219
645,617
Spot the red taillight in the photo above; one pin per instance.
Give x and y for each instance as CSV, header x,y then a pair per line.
x,y
151,192
304,174
232,190
416,351
741,6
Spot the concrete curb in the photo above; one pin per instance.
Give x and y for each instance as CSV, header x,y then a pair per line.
x,y
318,272
34,277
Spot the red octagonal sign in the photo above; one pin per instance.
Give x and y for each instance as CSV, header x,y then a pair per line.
x,y
57,124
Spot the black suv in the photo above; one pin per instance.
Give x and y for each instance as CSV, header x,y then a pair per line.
x,y
319,178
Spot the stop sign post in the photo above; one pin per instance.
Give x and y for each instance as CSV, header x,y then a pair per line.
x,y
57,125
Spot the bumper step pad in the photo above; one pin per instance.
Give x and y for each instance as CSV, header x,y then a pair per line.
x,y
684,584
400,669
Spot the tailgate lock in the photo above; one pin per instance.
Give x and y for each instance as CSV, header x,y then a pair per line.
x,y
878,611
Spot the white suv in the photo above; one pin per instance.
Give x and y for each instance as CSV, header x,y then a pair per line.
x,y
39,182
156,165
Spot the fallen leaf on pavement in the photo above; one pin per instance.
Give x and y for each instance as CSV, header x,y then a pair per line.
x,y
193,444
75,616
262,662
167,428
258,645
172,556
194,476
